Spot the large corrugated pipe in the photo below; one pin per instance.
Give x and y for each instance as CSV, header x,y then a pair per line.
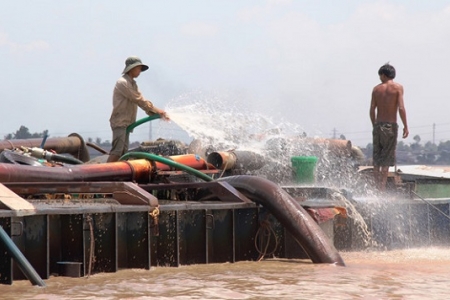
x,y
290,214
135,170
73,145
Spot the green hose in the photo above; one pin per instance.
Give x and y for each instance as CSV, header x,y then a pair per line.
x,y
168,162
158,158
141,121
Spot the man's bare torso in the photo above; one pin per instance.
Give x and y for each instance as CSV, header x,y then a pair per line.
x,y
385,98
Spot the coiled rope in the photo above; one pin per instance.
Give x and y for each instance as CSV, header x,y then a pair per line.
x,y
263,236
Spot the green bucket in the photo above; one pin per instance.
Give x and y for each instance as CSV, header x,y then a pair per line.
x,y
304,168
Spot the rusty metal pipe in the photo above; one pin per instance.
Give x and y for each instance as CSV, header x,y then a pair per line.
x,y
135,170
227,160
73,144
223,160
290,214
335,146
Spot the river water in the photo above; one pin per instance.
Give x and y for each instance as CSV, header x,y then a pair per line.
x,y
399,274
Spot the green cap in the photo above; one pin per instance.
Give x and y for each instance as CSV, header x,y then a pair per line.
x,y
133,61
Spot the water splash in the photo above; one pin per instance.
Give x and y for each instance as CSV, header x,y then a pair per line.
x,y
223,122
361,226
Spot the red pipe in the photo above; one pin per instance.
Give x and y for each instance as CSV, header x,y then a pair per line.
x,y
133,170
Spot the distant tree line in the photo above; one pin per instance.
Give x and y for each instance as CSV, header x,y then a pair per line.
x,y
98,141
413,153
24,133
416,153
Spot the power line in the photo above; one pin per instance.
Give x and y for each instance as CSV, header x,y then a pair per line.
x,y
433,126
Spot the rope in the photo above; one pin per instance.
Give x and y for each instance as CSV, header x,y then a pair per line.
x,y
154,214
12,145
265,230
92,244
433,206
226,165
224,169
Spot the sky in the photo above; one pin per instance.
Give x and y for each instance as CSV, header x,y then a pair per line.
x,y
310,62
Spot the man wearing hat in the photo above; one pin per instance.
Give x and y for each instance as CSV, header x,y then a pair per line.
x,y
126,99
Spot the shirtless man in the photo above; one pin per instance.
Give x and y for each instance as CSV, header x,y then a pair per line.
x,y
387,99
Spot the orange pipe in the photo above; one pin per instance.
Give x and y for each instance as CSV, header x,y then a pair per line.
x,y
191,160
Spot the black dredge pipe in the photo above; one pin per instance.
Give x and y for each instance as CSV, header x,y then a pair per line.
x,y
290,214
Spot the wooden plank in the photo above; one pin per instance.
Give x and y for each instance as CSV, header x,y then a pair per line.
x,y
132,194
11,201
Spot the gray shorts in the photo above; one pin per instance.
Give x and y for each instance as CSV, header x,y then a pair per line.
x,y
384,143
120,141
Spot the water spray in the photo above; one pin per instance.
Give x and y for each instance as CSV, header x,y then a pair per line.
x,y
430,204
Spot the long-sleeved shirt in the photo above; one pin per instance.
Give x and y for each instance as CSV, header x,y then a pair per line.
x,y
126,99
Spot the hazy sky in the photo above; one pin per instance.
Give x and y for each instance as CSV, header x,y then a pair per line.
x,y
313,62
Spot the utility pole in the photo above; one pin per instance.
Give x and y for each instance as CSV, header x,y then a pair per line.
x,y
434,133
150,131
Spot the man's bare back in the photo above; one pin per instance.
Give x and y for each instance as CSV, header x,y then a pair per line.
x,y
387,99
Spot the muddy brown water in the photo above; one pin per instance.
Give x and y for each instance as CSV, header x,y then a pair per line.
x,y
399,274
